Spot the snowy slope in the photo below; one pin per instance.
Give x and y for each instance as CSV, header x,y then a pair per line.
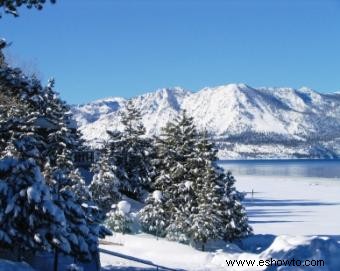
x,y
246,122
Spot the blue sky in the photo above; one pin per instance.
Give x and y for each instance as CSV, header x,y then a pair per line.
x,y
102,48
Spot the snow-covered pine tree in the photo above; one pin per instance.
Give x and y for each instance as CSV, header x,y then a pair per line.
x,y
153,217
131,153
93,214
175,157
28,199
24,129
30,221
35,121
60,132
19,113
79,187
58,146
201,202
207,217
236,220
62,139
105,183
119,219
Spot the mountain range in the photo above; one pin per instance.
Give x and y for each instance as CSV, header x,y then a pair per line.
x,y
245,122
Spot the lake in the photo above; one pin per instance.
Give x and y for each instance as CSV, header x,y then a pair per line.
x,y
292,168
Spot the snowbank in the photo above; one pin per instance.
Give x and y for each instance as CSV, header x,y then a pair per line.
x,y
305,248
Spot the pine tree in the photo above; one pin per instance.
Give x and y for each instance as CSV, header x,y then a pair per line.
x,y
19,114
228,213
200,200
93,214
131,152
30,221
20,108
207,217
37,125
153,217
175,156
236,220
105,183
79,187
20,104
119,219
61,136
60,140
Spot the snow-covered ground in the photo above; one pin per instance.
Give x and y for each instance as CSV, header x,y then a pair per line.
x,y
255,249
293,218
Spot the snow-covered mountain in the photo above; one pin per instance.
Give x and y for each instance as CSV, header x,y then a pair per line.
x,y
246,122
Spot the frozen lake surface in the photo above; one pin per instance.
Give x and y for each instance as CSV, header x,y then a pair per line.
x,y
290,197
287,168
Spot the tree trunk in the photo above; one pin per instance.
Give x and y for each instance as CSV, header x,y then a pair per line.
x,y
56,260
19,254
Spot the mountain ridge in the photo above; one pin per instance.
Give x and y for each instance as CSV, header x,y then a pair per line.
x,y
246,122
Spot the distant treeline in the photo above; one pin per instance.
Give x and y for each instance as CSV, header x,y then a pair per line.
x,y
261,138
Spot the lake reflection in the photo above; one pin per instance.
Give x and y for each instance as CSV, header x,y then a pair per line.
x,y
296,168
